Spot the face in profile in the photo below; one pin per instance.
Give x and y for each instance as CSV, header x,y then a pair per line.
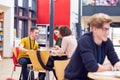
x,y
57,33
103,32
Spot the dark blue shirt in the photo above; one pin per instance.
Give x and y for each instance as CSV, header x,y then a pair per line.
x,y
87,56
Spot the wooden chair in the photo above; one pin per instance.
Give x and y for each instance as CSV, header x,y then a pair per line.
x,y
39,60
59,66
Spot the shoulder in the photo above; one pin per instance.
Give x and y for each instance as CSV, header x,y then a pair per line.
x,y
25,38
87,37
108,42
68,37
58,39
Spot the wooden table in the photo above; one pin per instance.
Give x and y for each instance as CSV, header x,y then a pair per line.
x,y
108,75
53,54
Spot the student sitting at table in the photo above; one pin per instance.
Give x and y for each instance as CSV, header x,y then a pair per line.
x,y
92,49
69,43
68,46
26,44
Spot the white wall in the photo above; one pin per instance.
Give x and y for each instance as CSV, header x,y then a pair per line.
x,y
7,3
8,7
73,16
73,11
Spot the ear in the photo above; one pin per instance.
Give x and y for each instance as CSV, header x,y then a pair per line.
x,y
94,29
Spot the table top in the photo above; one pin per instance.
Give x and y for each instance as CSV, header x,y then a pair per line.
x,y
53,54
107,75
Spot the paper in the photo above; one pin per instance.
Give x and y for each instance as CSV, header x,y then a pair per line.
x,y
107,73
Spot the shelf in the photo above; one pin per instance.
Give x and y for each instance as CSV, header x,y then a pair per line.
x,y
1,33
33,19
115,25
32,10
21,7
23,19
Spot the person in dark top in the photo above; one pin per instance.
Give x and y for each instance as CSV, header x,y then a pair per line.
x,y
92,49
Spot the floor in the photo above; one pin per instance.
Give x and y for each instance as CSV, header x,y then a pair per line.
x,y
6,67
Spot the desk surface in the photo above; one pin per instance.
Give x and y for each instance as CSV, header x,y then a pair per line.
x,y
107,75
52,54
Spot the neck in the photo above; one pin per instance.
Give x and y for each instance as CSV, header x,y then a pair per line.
x,y
32,38
97,40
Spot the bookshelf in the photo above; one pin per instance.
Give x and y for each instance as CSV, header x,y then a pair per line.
x,y
25,17
43,37
1,33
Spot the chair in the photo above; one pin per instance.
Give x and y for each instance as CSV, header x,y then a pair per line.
x,y
39,60
59,66
15,53
15,56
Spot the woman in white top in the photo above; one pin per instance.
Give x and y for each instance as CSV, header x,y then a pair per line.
x,y
69,43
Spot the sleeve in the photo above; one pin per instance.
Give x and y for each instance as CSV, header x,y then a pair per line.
x,y
86,47
22,42
63,47
111,54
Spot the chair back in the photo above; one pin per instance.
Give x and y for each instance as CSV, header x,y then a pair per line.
x,y
34,59
59,66
15,53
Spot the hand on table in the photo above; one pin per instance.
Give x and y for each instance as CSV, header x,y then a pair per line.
x,y
56,47
105,67
117,66
108,66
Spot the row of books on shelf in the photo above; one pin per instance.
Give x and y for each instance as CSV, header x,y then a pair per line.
x,y
1,37
1,47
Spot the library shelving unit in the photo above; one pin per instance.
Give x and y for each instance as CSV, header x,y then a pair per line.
x,y
24,17
1,33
